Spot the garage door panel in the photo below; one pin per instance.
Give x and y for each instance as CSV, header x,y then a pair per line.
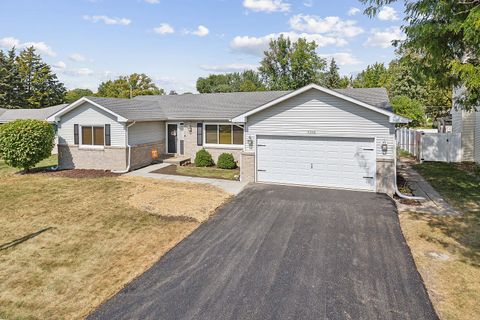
x,y
328,162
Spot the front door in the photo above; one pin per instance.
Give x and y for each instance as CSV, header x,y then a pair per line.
x,y
172,138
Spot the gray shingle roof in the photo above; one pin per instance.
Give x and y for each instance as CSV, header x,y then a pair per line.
x,y
7,115
210,106
376,97
132,109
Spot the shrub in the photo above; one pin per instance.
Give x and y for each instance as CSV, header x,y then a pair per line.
x,y
226,161
203,159
24,143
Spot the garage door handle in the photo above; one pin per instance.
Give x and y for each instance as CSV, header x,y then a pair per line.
x,y
368,149
261,145
261,170
368,177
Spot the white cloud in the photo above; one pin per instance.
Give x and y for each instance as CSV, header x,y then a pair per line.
x,y
84,72
108,20
256,45
387,13
41,47
233,67
353,11
77,57
152,1
342,58
308,3
332,26
60,65
74,72
164,28
267,5
201,31
384,38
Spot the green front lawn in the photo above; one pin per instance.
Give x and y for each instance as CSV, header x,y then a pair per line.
x,y
49,162
459,187
453,283
209,172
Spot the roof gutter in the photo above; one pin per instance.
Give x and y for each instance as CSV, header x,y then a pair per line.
x,y
129,152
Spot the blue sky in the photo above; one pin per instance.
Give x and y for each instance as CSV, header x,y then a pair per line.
x,y
176,41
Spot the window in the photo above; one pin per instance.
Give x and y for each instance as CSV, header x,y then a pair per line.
x,y
93,136
223,134
211,135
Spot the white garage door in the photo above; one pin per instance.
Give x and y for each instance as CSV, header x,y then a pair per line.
x,y
326,162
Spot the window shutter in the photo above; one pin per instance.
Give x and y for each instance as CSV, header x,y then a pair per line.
x,y
75,134
108,139
199,134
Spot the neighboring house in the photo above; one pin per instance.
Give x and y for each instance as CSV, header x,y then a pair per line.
x,y
468,124
311,136
8,115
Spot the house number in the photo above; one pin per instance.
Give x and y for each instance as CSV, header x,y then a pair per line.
x,y
311,131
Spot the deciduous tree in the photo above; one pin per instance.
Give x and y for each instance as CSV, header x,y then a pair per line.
x,y
129,86
288,65
75,94
444,34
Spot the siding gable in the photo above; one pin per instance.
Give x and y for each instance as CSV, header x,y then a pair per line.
x,y
88,114
320,114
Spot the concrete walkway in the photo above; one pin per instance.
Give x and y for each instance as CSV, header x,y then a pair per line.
x,y
230,186
434,203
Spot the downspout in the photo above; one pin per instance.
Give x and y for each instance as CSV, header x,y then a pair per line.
x,y
129,152
397,192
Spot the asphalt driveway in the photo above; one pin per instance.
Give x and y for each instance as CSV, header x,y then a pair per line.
x,y
279,252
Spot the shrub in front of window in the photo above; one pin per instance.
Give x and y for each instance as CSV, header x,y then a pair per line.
x,y
203,158
226,161
24,143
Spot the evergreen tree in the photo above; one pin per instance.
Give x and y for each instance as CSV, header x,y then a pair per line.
x,y
331,79
10,82
39,85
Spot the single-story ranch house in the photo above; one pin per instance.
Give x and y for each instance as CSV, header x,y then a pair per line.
x,y
341,138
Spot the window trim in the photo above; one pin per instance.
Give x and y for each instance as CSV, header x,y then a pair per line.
x,y
90,146
219,145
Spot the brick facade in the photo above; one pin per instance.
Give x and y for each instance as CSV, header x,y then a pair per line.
x,y
142,154
385,176
109,158
247,167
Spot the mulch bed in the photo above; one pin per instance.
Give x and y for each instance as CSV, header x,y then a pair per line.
x,y
82,173
73,173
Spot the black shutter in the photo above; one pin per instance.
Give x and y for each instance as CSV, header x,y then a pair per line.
x,y
75,134
199,134
108,139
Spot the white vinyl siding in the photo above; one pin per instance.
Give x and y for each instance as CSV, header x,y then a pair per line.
x,y
457,121
315,113
477,137
146,132
89,115
468,135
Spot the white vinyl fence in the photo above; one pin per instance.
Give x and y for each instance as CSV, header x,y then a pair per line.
x,y
430,146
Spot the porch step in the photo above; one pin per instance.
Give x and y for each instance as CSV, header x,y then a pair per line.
x,y
179,161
